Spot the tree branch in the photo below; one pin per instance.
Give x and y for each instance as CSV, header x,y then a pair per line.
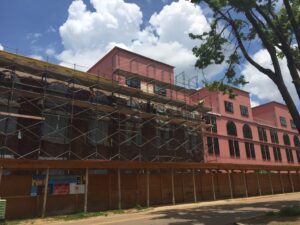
x,y
291,63
293,21
229,20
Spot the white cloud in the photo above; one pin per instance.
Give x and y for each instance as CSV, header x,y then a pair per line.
x,y
261,86
254,103
50,51
51,29
88,35
38,57
1,47
33,37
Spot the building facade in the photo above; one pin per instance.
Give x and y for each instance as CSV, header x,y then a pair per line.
x,y
265,134
61,114
124,134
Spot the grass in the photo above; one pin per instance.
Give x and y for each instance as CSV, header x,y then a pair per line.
x,y
68,217
75,216
78,216
286,211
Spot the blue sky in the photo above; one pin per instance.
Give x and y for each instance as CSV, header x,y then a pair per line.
x,y
80,32
31,26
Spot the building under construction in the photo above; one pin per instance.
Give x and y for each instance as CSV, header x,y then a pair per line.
x,y
120,135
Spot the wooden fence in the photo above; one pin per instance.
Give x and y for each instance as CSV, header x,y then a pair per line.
x,y
121,189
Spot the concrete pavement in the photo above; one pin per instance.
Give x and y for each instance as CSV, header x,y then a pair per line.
x,y
221,212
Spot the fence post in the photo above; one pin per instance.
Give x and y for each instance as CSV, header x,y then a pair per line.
x,y
45,193
229,181
270,181
119,190
245,183
173,189
282,188
194,186
213,184
148,189
109,190
137,188
86,189
291,181
258,183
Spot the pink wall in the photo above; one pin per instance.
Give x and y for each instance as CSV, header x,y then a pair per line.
x,y
211,99
119,58
266,116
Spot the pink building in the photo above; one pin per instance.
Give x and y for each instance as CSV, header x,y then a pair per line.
x,y
264,134
138,71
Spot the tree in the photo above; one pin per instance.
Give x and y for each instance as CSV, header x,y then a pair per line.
x,y
235,25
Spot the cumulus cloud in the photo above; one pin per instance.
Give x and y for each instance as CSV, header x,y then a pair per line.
x,y
1,47
88,35
260,86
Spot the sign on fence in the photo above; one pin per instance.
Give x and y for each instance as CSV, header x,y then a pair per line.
x,y
57,185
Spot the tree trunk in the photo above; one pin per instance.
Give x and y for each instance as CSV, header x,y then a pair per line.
x,y
289,102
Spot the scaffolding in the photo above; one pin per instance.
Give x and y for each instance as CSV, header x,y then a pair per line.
x,y
52,112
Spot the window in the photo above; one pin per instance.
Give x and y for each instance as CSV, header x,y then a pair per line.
x,y
265,152
244,110
213,146
274,136
231,128
133,82
289,155
282,121
234,148
209,119
98,130
55,129
293,125
247,131
262,134
228,106
286,139
277,154
296,141
160,90
250,152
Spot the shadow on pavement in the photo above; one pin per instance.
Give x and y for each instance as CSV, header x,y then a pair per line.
x,y
221,214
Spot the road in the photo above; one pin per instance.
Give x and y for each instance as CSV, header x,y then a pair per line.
x,y
221,212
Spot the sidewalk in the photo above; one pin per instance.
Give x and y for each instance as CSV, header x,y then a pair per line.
x,y
206,213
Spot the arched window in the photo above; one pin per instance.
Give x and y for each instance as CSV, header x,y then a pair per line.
x,y
296,141
247,131
231,128
286,139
